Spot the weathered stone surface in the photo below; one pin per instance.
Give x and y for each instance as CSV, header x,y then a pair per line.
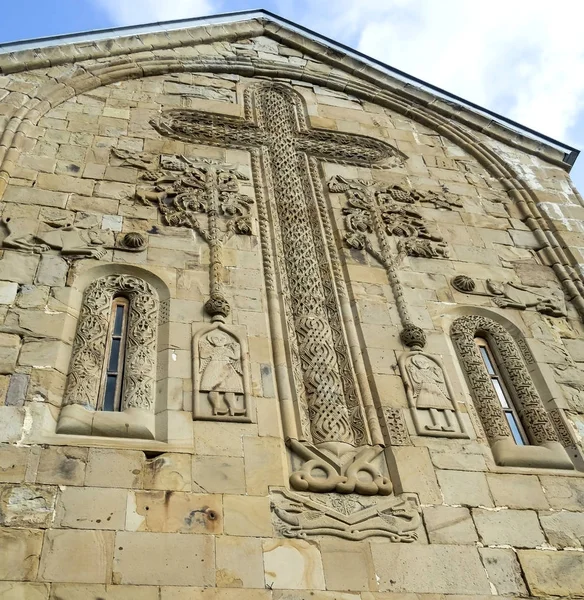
x,y
464,487
221,439
563,492
27,506
292,564
449,525
563,529
62,465
17,389
553,573
519,528
416,473
247,516
52,271
8,292
516,491
504,571
11,423
20,550
347,565
9,349
164,559
114,468
77,556
13,463
219,474
18,267
168,472
239,562
14,590
264,464
438,569
190,593
91,508
79,591
170,512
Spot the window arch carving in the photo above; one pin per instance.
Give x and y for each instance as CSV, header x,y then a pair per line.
x,y
90,347
544,449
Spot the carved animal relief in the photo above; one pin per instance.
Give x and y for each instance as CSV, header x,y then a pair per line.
x,y
350,517
221,376
71,241
202,195
430,396
327,430
515,295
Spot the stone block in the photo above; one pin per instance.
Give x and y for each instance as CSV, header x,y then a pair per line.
x,y
416,473
565,493
11,423
239,562
115,468
13,463
292,565
247,516
449,525
465,488
347,565
15,590
168,472
46,355
31,296
504,571
8,292
80,591
221,439
27,506
9,349
174,512
518,528
219,474
64,183
61,465
36,196
516,491
184,593
553,573
563,529
264,464
52,271
20,550
16,392
164,559
77,556
432,569
91,508
4,382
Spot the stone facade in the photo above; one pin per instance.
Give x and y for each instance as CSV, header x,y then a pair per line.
x,y
304,249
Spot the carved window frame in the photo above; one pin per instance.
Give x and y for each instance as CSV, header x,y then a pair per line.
x,y
136,419
544,449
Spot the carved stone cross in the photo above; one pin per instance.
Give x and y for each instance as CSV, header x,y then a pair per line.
x,y
277,128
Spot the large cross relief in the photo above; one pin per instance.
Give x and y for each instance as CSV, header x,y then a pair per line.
x,y
327,409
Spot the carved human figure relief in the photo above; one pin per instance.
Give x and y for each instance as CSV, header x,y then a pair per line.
x,y
68,239
328,428
430,396
221,379
508,294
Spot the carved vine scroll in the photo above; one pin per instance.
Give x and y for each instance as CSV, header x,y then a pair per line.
x,y
327,393
89,346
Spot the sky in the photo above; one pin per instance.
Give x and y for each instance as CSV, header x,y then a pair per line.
x,y
523,59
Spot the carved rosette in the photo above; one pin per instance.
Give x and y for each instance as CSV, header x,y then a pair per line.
x,y
89,346
529,406
221,375
430,396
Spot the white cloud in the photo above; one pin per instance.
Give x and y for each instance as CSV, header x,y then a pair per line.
x,y
523,58
134,12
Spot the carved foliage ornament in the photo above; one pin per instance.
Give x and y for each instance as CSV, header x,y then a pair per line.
x,y
430,396
89,346
515,295
221,375
350,517
529,406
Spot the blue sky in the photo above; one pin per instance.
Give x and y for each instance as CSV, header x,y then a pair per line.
x,y
521,58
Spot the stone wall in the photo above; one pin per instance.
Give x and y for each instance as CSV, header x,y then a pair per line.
x,y
471,220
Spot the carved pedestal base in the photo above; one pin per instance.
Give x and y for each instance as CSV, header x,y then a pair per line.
x,y
351,517
339,468
130,423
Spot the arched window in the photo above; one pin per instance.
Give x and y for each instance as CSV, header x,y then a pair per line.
x,y
113,362
511,412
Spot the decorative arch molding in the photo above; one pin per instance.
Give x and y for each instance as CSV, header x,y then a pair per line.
x,y
137,415
545,449
372,86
